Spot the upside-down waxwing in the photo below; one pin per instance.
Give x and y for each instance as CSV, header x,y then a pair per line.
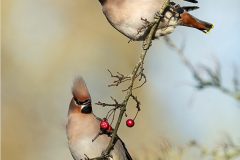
x,y
130,17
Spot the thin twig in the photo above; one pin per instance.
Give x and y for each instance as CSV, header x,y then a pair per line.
x,y
214,75
120,78
137,102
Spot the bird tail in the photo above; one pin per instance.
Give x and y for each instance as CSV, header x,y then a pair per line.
x,y
188,20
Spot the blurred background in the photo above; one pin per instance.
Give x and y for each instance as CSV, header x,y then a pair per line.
x,y
46,43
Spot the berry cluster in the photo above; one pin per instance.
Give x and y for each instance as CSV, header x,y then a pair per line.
x,y
105,126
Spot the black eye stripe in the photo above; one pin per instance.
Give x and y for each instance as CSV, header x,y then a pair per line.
x,y
86,106
86,102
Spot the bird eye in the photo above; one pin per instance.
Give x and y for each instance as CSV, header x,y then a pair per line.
x,y
86,102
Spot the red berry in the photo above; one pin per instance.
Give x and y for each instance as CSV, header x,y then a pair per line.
x,y
104,125
110,128
130,122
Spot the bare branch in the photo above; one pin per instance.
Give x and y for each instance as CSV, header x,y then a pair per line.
x,y
120,78
115,104
213,75
136,73
236,80
137,102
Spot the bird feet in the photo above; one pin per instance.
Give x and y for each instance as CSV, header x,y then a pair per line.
x,y
146,25
158,15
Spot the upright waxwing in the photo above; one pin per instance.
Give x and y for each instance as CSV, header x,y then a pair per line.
x,y
129,17
83,126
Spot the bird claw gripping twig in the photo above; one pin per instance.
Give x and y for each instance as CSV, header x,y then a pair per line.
x,y
158,15
149,27
145,28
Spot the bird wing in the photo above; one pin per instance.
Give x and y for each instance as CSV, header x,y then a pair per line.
x,y
128,156
192,1
190,8
73,156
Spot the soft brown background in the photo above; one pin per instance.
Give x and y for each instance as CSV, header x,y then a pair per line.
x,y
46,43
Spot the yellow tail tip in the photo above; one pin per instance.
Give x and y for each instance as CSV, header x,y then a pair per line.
x,y
208,31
